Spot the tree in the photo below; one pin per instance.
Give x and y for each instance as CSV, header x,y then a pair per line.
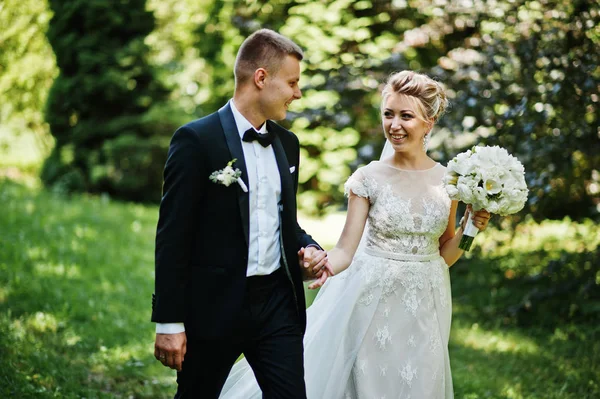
x,y
27,67
521,74
102,108
528,81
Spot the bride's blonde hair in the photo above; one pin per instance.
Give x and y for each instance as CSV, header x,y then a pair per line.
x,y
431,96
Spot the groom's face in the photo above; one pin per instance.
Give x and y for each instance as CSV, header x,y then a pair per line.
x,y
281,89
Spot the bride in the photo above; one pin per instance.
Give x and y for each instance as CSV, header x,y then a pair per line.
x,y
379,328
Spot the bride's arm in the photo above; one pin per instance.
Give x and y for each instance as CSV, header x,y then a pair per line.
x,y
341,255
450,239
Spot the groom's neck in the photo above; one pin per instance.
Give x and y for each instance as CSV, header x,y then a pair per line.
x,y
249,107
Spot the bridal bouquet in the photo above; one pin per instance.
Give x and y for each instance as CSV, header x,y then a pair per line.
x,y
487,178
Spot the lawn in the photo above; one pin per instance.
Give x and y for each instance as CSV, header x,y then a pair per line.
x,y
76,278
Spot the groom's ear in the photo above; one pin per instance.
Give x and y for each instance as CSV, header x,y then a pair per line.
x,y
260,76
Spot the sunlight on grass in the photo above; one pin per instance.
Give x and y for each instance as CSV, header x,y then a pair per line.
x,y
70,338
76,278
512,391
135,359
37,253
42,322
493,341
85,232
549,235
57,269
17,329
130,354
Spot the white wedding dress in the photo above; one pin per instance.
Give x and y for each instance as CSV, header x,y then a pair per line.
x,y
380,329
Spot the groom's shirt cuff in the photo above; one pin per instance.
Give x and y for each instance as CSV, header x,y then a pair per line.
x,y
169,328
314,245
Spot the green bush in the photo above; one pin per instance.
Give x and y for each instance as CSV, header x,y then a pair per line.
x,y
102,107
543,275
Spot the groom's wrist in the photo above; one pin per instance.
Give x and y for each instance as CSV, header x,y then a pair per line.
x,y
169,328
315,245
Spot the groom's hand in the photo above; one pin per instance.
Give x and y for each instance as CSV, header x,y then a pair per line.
x,y
314,264
170,349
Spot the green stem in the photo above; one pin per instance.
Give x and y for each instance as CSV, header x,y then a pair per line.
x,y
465,242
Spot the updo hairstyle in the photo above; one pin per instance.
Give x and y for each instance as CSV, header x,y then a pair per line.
x,y
431,96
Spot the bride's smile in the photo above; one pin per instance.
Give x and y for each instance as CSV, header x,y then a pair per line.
x,y
403,122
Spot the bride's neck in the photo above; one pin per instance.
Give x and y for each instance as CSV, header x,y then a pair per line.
x,y
409,161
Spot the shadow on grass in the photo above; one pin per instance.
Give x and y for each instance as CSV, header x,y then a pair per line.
x,y
76,277
510,363
523,334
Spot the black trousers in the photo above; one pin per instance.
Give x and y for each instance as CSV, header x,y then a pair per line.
x,y
270,337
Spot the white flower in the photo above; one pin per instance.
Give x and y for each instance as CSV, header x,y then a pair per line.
x,y
465,193
492,186
487,178
228,175
452,191
493,207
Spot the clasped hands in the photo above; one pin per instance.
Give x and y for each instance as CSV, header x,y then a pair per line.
x,y
314,265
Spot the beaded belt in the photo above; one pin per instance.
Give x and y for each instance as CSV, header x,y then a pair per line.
x,y
403,257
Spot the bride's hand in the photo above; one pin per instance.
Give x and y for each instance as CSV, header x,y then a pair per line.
x,y
313,262
327,272
480,218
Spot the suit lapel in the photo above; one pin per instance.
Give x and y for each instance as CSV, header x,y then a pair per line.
x,y
235,148
287,185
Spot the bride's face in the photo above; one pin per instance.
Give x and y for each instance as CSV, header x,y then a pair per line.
x,y
403,123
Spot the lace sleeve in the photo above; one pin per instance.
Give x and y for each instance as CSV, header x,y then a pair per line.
x,y
359,184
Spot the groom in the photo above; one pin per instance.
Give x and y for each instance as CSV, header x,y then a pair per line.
x,y
228,279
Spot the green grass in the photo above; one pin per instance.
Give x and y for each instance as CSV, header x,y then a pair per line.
x,y
494,357
76,275
76,279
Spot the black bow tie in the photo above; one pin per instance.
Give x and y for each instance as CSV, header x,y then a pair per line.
x,y
264,139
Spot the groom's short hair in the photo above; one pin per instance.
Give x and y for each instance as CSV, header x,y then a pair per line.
x,y
263,49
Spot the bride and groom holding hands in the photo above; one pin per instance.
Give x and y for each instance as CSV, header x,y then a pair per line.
x,y
231,258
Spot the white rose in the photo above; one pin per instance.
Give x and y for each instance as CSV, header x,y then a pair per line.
x,y
480,197
465,167
452,192
465,193
492,207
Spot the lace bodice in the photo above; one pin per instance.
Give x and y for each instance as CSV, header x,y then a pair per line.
x,y
380,328
409,208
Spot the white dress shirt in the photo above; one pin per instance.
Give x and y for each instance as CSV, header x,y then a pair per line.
x,y
264,189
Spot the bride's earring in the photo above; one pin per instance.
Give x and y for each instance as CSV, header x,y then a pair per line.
x,y
426,141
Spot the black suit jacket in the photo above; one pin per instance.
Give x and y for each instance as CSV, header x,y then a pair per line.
x,y
202,235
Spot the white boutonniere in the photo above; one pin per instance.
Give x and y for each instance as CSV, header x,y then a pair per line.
x,y
228,175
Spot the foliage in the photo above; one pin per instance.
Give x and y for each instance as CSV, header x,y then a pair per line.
x,y
546,274
521,74
76,276
27,68
104,107
528,80
176,60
